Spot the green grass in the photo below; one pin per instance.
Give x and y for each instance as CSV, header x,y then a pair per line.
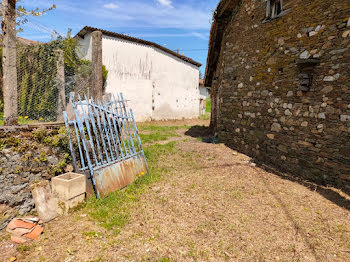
x,y
161,128
208,103
21,120
156,137
113,212
150,134
206,116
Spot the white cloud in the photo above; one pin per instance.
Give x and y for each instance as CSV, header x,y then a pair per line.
x,y
165,2
189,15
111,6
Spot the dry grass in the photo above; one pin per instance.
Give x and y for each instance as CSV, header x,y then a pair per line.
x,y
210,204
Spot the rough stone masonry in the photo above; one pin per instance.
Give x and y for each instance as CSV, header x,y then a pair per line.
x,y
28,157
281,84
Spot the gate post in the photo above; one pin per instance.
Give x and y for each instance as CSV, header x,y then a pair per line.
x,y
60,82
9,55
97,81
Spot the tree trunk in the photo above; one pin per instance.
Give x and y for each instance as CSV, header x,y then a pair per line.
x,y
9,62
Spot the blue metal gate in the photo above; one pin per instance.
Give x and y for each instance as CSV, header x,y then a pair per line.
x,y
104,142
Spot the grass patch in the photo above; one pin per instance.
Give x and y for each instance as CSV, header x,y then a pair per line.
x,y
113,212
161,128
21,120
155,137
23,248
150,134
92,234
208,105
205,116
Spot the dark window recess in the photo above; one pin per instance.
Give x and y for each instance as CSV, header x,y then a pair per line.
x,y
274,9
306,73
305,81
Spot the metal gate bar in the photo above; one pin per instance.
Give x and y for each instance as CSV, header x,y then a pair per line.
x,y
105,143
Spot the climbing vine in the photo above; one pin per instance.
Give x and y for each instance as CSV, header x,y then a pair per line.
x,y
37,72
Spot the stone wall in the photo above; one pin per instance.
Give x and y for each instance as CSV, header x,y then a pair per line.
x,y
27,157
266,108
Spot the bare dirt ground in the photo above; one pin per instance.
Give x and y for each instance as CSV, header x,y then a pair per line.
x,y
213,204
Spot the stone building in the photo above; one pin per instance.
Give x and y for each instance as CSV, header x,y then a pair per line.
x,y
280,78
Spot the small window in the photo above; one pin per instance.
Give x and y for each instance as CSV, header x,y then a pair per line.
x,y
306,73
273,8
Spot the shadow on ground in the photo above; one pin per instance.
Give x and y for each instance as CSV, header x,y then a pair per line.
x,y
203,132
330,191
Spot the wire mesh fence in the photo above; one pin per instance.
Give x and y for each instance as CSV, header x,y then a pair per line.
x,y
37,82
44,72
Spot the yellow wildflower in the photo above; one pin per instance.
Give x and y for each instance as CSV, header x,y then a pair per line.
x,y
26,117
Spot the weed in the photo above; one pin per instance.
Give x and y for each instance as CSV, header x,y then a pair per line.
x,y
92,234
23,248
71,251
21,120
43,156
2,145
40,134
205,116
12,142
98,259
164,259
59,168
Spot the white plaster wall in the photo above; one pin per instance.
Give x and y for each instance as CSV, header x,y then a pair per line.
x,y
158,85
85,47
203,92
176,92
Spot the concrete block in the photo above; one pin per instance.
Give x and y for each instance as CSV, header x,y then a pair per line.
x,y
68,186
65,205
45,202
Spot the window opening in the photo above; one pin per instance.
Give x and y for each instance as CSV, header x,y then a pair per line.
x,y
273,8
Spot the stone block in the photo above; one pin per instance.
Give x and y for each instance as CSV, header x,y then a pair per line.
x,y
70,188
69,185
45,202
65,205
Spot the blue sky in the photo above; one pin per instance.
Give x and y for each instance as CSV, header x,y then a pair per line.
x,y
175,24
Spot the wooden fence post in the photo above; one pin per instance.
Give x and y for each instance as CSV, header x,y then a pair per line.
x,y
97,81
9,55
60,82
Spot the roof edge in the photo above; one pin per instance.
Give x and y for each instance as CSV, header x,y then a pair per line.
x,y
222,16
89,29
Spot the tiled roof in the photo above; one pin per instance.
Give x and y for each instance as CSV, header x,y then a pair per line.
x,y
22,40
88,29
